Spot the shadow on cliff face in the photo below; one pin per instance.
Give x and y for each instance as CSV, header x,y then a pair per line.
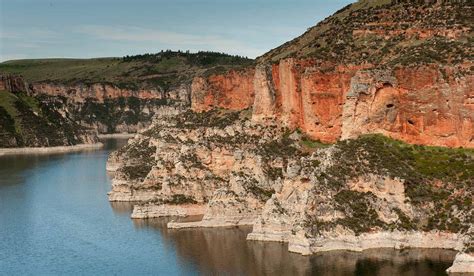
x,y
226,251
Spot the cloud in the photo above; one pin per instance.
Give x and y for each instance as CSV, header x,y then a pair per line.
x,y
179,40
33,33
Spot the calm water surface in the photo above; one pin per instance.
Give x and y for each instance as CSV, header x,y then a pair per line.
x,y
55,219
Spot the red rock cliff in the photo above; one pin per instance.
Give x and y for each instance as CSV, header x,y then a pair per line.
x,y
429,105
232,90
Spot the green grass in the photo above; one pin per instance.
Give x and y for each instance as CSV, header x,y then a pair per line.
x,y
333,40
150,70
7,101
437,181
309,143
30,102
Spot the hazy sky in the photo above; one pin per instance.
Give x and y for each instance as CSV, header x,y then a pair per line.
x,y
100,28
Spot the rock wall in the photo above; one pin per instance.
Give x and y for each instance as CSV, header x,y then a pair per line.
x,y
427,105
108,108
301,96
417,105
232,90
13,83
99,92
357,194
26,121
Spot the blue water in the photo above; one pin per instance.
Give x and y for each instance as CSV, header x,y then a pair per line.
x,y
55,219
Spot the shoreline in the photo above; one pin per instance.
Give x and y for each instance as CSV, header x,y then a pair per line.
x,y
463,262
146,211
49,150
299,244
116,135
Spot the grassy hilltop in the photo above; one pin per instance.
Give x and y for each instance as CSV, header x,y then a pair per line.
x,y
163,69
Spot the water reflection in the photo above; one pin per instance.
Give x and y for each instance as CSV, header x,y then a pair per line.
x,y
122,208
55,219
225,251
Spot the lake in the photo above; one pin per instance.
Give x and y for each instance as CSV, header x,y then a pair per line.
x,y
55,219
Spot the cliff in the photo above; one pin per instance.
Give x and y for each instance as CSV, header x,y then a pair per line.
x,y
330,142
357,194
415,104
27,122
401,69
114,95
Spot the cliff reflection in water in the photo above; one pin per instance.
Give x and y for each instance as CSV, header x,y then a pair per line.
x,y
218,250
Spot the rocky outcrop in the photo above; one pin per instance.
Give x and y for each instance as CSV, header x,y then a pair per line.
x,y
373,67
120,95
428,105
463,263
393,239
108,108
416,105
301,96
13,83
251,148
26,122
354,195
111,109
232,90
146,211
99,92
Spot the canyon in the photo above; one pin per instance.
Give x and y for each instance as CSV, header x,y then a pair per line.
x,y
349,137
28,124
358,134
118,95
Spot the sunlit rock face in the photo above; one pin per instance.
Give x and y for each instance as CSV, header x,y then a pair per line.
x,y
428,105
400,68
416,105
377,87
232,90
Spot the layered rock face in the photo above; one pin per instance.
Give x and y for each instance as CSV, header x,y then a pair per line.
x,y
399,68
232,90
114,95
13,83
111,109
108,108
299,95
27,122
191,158
374,79
417,105
356,194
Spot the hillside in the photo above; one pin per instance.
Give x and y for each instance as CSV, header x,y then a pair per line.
x,y
391,33
162,70
27,122
120,95
400,68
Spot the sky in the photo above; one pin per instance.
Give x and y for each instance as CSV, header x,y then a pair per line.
x,y
105,28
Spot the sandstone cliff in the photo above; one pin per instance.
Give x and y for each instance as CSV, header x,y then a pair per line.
x,y
383,81
27,122
397,68
123,94
356,194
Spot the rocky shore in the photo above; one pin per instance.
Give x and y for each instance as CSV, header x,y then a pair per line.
x,y
145,211
327,143
50,150
352,195
463,263
123,135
